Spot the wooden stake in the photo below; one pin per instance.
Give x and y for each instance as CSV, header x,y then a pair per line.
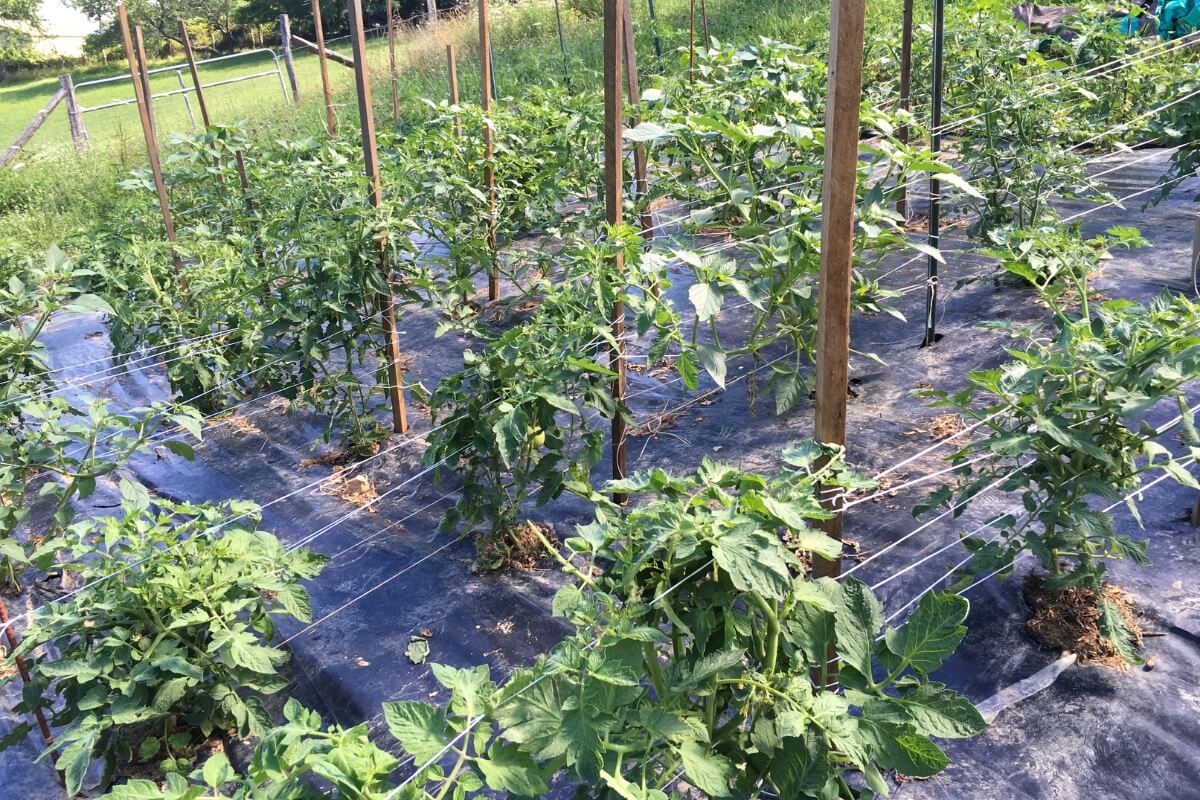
x,y
905,90
489,145
186,39
384,301
641,182
704,19
452,65
285,36
395,76
39,119
326,88
654,27
141,81
74,114
23,668
837,241
614,179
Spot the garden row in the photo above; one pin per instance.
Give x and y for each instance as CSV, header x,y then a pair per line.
x,y
701,641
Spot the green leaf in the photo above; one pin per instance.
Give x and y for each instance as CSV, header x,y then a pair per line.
x,y
706,299
1113,626
420,728
170,693
295,601
707,771
217,771
858,621
417,650
511,431
507,769
800,768
755,561
253,657
73,763
941,712
149,748
930,634
713,361
582,731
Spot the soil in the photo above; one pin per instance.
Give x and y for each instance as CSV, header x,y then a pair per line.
x,y
520,549
1066,619
359,490
944,425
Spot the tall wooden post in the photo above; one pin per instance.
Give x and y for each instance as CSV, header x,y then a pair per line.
x,y
452,66
489,145
704,20
387,308
905,90
186,39
641,182
837,241
392,72
285,36
323,61
137,72
74,114
935,185
614,179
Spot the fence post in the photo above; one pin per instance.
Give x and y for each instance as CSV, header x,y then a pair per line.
x,y
285,35
837,242
330,114
905,91
141,81
392,73
186,102
384,300
935,185
614,179
489,145
74,114
453,68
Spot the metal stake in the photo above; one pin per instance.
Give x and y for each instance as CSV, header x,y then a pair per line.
x,y
935,185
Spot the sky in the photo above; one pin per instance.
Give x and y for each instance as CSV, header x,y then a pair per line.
x,y
63,21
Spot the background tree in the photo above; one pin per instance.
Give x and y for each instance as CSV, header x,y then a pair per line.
x,y
18,22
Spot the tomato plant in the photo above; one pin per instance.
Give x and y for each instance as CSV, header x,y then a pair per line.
x,y
171,629
1067,411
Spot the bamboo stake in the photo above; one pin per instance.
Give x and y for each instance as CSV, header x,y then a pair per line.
x,y
79,134
837,242
935,185
395,76
323,60
452,66
285,36
26,678
387,308
905,91
614,179
641,182
141,83
692,41
489,145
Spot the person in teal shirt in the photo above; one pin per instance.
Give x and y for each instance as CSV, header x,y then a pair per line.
x,y
1179,18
